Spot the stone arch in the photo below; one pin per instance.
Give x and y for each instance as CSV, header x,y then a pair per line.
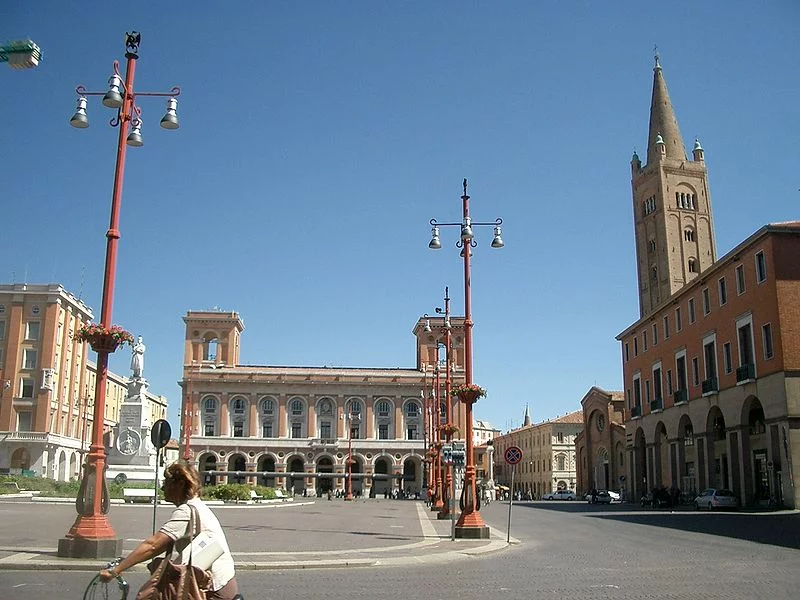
x,y
63,466
205,464
688,465
717,442
601,478
324,464
296,464
357,466
382,466
296,413
21,459
237,462
266,462
412,474
211,346
760,480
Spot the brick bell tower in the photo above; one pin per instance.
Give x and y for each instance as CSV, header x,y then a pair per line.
x,y
671,206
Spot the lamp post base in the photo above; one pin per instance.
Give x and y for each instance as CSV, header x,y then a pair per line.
x,y
443,516
466,532
78,547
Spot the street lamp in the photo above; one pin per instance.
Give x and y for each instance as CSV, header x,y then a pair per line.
x,y
470,523
92,535
21,54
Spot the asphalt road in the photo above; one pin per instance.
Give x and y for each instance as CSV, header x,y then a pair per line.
x,y
567,550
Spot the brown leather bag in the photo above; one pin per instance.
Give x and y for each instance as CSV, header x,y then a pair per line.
x,y
174,581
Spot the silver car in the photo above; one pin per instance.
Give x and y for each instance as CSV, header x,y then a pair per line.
x,y
560,495
714,499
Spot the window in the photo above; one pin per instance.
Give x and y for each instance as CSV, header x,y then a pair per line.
x,y
766,334
238,429
208,429
325,430
627,352
723,292
740,280
266,429
325,407
647,396
670,389
688,235
651,245
383,431
761,267
655,334
32,330
710,355
657,390
384,409
267,407
693,266
29,358
23,422
297,407
2,330
560,437
412,410
636,346
678,320
412,433
654,274
637,391
238,406
560,462
26,387
695,372
666,327
691,311
297,430
727,357
706,301
745,335
644,341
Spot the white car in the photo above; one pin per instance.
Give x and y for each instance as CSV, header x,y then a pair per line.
x,y
602,497
712,499
560,495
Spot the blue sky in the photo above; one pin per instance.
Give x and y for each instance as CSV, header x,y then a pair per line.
x,y
317,140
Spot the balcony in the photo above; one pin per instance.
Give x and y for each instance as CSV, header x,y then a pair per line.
x,y
680,397
746,372
710,386
321,443
657,405
636,411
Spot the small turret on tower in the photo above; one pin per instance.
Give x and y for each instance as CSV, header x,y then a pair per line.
x,y
697,152
636,163
526,422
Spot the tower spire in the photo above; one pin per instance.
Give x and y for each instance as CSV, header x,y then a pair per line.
x,y
662,120
527,421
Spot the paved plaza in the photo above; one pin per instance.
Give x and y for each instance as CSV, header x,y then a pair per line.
x,y
395,549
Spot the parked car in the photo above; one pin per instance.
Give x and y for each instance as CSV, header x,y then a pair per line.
x,y
602,497
713,499
560,495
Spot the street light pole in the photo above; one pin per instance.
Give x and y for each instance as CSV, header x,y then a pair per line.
x,y
92,535
349,495
447,488
470,524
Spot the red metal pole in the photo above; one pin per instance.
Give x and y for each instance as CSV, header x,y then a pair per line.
x,y
438,501
187,419
92,525
448,483
470,518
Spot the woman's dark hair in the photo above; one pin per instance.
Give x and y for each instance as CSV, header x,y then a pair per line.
x,y
183,472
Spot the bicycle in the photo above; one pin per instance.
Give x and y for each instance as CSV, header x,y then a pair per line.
x,y
104,590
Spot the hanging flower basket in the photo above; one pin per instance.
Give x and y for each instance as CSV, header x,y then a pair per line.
x,y
437,446
103,339
448,429
468,393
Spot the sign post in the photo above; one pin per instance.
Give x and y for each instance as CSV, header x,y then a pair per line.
x,y
159,435
513,455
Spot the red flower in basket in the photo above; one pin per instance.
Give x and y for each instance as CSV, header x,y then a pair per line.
x,y
103,339
448,429
468,392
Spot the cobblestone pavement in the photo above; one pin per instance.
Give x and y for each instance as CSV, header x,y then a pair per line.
x,y
566,550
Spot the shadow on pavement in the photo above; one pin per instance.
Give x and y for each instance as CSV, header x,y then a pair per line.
x,y
776,529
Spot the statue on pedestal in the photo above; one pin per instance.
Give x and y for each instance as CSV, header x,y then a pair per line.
x,y
137,358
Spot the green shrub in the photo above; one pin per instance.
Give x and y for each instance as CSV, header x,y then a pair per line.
x,y
228,492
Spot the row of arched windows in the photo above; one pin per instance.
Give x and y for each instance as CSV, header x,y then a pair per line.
x,y
296,418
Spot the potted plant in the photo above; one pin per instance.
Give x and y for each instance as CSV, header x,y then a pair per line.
x,y
101,338
448,429
468,392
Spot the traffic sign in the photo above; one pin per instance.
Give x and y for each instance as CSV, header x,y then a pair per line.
x,y
160,433
513,455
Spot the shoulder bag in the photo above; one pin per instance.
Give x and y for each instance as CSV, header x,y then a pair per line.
x,y
174,581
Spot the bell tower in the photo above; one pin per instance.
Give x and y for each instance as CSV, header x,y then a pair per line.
x,y
671,206
212,338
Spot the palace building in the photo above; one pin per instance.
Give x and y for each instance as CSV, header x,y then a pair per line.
x,y
294,427
712,366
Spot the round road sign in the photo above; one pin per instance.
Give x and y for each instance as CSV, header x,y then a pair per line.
x,y
513,455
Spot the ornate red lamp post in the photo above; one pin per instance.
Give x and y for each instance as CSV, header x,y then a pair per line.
x,y
470,523
91,536
351,416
